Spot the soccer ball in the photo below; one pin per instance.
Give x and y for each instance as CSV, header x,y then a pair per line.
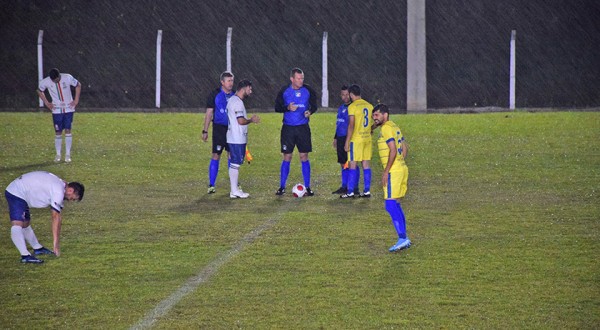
x,y
298,190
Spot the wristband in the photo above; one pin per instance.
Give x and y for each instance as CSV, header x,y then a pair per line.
x,y
204,132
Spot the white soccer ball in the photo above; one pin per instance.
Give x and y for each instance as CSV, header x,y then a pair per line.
x,y
299,190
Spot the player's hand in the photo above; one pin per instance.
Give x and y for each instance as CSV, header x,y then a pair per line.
x,y
307,114
334,144
73,104
292,106
384,178
255,119
50,106
205,136
347,147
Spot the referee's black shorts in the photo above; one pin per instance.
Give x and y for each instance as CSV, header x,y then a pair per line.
x,y
296,136
342,155
219,139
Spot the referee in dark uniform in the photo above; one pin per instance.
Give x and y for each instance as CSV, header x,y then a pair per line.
x,y
297,102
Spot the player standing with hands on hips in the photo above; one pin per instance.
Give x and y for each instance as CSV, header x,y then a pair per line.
x,y
216,111
62,107
237,134
392,152
38,190
297,101
358,142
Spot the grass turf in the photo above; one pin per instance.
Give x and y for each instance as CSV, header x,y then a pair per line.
x,y
502,209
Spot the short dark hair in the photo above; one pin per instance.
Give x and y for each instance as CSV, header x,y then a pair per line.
x,y
244,83
296,70
78,188
344,87
381,108
54,73
226,74
354,89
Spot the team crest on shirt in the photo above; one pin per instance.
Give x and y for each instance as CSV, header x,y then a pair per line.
x,y
298,93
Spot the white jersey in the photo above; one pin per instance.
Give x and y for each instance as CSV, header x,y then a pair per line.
x,y
236,133
61,92
39,189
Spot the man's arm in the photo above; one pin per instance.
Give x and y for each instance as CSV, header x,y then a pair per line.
x,y
312,100
56,224
350,132
245,121
207,119
280,105
392,157
77,93
42,96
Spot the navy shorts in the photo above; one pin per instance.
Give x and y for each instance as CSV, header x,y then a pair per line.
x,y
219,139
295,136
342,155
17,207
62,121
237,152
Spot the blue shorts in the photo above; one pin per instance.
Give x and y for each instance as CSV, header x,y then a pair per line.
x,y
237,152
62,121
17,207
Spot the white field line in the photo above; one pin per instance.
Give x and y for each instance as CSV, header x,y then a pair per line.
x,y
203,275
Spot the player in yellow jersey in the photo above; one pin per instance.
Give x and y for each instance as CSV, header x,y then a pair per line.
x,y
358,142
392,152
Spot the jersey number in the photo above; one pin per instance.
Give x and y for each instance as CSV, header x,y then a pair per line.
x,y
366,113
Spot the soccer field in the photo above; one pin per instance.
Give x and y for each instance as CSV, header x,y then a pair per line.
x,y
503,210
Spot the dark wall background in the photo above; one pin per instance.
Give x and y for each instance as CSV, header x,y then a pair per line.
x,y
110,47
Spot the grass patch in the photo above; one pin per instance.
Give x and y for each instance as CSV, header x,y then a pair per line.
x,y
502,209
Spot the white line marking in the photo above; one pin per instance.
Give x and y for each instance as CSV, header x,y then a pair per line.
x,y
204,275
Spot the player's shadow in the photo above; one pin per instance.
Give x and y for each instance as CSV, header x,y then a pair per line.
x,y
27,167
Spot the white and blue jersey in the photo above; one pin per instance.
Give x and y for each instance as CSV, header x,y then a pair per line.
x,y
341,125
306,100
39,189
217,100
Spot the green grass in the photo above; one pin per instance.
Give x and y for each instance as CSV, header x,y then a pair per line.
x,y
502,208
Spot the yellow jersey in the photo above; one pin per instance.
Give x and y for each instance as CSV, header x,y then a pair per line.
x,y
390,132
362,112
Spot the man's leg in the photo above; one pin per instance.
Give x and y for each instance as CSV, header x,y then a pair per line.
x,y
367,178
213,171
284,172
58,145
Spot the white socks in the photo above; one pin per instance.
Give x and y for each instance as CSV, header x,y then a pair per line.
x,y
30,238
58,144
16,233
68,142
234,173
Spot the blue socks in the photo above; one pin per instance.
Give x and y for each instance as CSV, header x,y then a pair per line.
x,y
397,214
285,171
367,173
352,179
344,177
306,173
213,171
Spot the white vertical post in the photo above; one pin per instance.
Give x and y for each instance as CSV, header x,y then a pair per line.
x,y
228,46
40,61
416,57
513,70
325,90
158,65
